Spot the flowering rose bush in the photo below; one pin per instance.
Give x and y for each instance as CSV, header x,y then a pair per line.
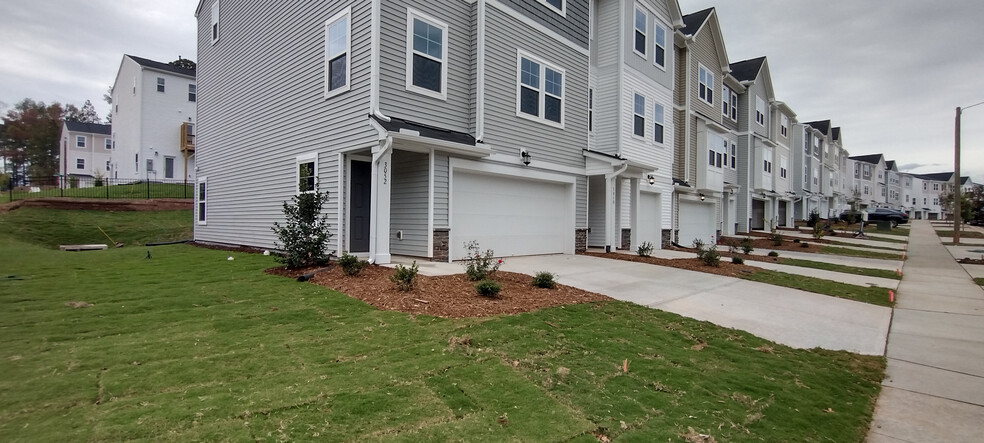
x,y
479,265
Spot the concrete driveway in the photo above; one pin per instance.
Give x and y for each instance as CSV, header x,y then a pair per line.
x,y
795,318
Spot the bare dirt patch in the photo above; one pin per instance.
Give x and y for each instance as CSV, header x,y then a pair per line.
x,y
95,204
766,244
725,267
971,261
451,296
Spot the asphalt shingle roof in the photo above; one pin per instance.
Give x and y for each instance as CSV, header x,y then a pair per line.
x,y
747,69
693,22
92,128
395,124
163,66
870,158
821,125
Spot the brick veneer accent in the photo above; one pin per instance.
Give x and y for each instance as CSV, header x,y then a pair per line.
x,y
626,239
441,239
580,240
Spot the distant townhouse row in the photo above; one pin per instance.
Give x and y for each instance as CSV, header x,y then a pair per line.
x,y
530,126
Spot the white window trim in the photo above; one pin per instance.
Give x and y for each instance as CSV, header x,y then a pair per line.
x,y
345,13
659,27
191,87
161,84
661,122
412,14
760,111
709,88
77,160
590,110
563,7
108,143
80,138
540,117
201,217
645,32
635,114
725,104
214,23
734,106
784,125
734,156
305,158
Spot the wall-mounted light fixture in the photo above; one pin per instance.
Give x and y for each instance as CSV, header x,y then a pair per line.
x,y
526,157
652,179
701,195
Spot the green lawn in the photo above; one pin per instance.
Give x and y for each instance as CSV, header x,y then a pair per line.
x,y
882,273
867,294
963,233
133,191
979,281
187,345
834,250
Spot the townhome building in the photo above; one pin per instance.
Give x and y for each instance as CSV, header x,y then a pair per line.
x,y
763,149
703,143
630,151
929,203
869,180
808,146
839,182
826,168
154,112
429,123
85,150
893,185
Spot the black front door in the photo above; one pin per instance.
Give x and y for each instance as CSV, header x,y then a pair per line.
x,y
360,196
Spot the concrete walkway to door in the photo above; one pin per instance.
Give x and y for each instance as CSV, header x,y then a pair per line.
x,y
796,318
934,385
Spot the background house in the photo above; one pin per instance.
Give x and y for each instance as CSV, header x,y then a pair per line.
x,y
154,112
85,150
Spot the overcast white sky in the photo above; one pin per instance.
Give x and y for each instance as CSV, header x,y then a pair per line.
x,y
889,72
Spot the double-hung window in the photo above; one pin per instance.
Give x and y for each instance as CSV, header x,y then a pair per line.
x,y
427,55
705,82
108,143
79,141
192,92
784,125
160,84
767,166
639,116
640,31
215,21
734,156
541,90
659,46
337,49
725,103
760,111
202,181
783,164
658,123
734,105
715,158
80,163
307,172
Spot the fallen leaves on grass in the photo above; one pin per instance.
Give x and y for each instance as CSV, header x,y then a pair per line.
x,y
693,436
78,304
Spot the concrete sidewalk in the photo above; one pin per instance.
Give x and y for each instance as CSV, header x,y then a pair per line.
x,y
934,385
796,318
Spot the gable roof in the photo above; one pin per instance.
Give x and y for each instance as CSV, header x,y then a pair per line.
x,y
937,176
147,63
693,22
696,22
91,128
824,127
747,70
890,165
836,133
870,158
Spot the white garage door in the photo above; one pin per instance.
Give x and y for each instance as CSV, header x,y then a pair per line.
x,y
696,221
509,215
650,219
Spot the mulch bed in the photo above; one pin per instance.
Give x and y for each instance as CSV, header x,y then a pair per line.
x,y
971,261
451,296
765,244
725,267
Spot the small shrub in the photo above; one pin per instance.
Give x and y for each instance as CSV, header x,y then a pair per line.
x,y
711,257
97,179
814,218
645,249
773,254
404,276
351,265
804,245
305,234
545,280
776,238
698,244
818,231
737,260
796,240
478,265
746,245
732,245
488,288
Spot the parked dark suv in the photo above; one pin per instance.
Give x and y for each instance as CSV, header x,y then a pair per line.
x,y
876,215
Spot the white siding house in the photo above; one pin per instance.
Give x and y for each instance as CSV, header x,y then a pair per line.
x,y
85,150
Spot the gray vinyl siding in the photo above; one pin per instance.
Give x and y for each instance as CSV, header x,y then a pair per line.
x,y
607,112
680,144
261,103
596,201
573,25
744,193
645,66
705,52
755,92
506,132
409,205
746,110
581,202
395,100
441,176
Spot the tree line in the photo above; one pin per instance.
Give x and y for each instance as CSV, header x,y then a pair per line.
x,y
29,138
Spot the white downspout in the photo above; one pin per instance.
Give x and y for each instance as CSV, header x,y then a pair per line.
x,y
374,49
480,88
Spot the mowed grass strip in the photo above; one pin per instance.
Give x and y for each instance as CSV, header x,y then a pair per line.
x,y
187,345
834,250
881,273
52,227
130,191
867,294
966,233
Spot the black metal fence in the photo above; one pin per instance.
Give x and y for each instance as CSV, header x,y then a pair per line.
x,y
91,187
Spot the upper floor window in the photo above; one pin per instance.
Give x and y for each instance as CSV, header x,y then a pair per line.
x,y
639,119
866,172
659,46
760,111
215,21
541,90
936,186
558,6
590,110
734,156
427,54
337,48
307,172
767,166
783,165
725,103
108,143
715,158
784,125
924,186
640,31
192,92
79,141
160,84
80,163
658,123
734,105
705,81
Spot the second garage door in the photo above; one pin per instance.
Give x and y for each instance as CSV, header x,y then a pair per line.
x,y
697,221
650,219
511,216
